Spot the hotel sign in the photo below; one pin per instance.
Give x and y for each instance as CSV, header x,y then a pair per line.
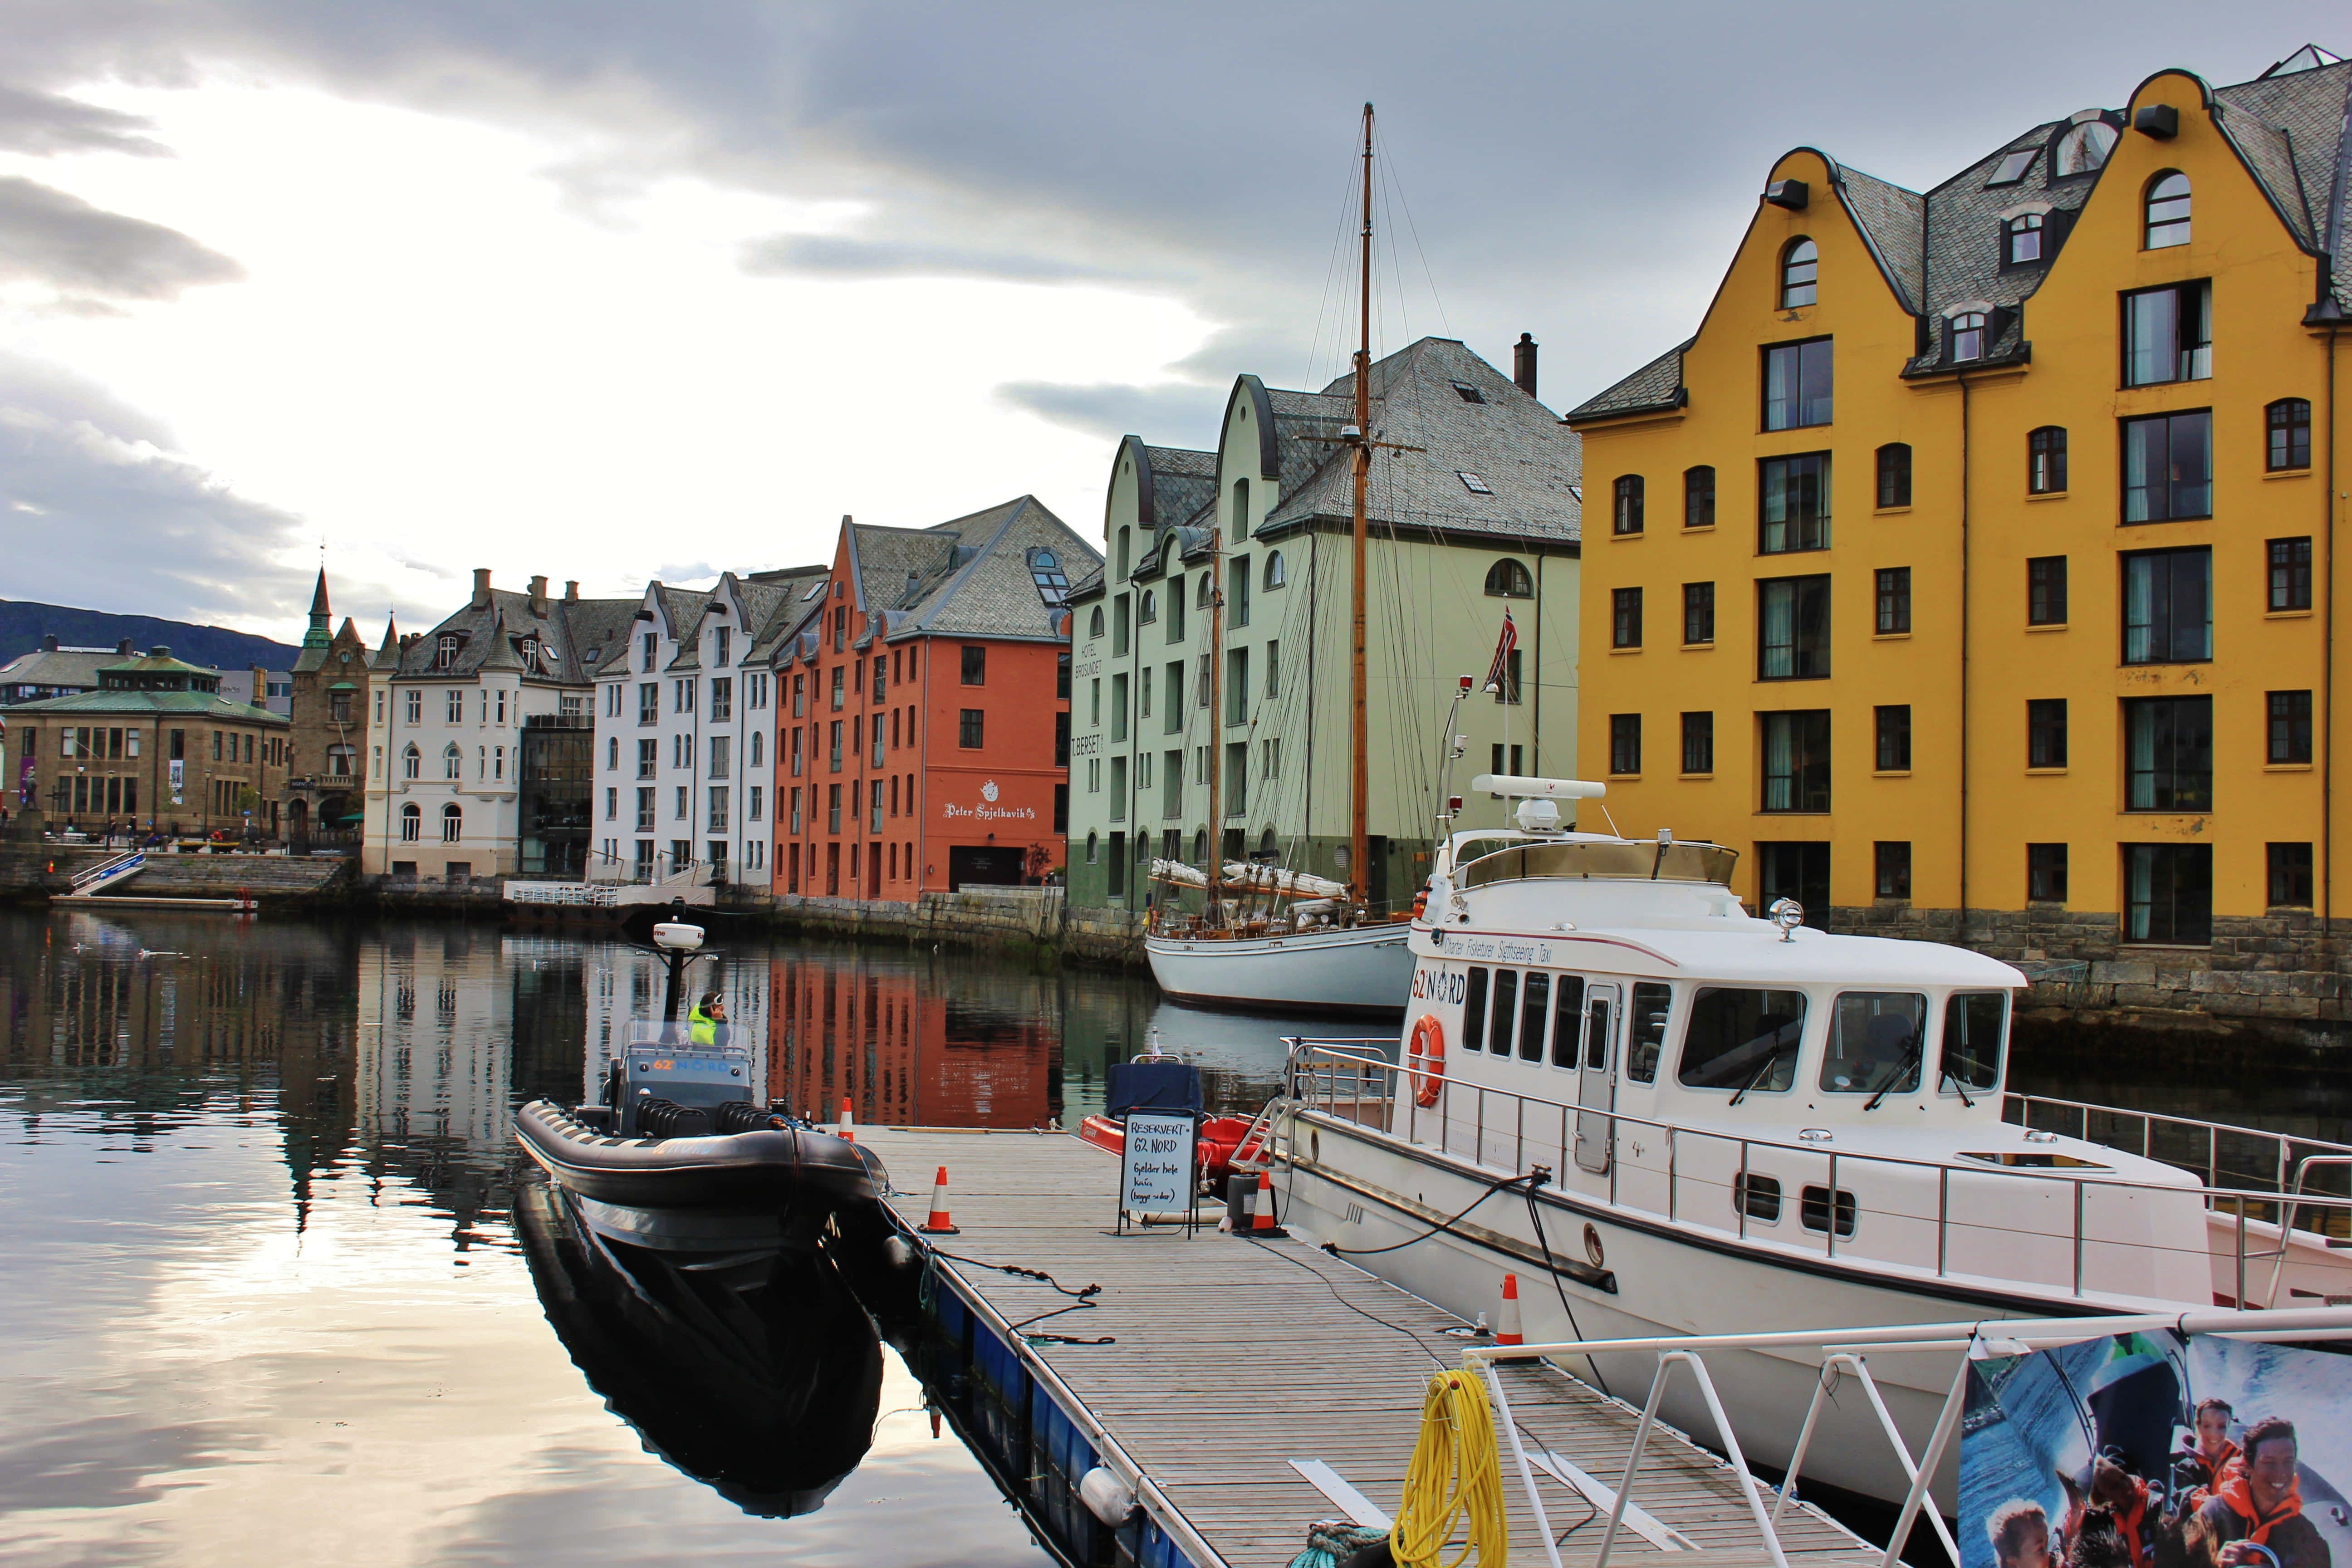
x,y
986,809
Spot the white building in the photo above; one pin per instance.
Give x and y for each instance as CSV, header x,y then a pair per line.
x,y
684,724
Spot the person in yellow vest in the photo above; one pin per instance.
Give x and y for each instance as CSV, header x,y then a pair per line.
x,y
707,1019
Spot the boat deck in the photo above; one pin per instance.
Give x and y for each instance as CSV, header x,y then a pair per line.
x,y
1234,1358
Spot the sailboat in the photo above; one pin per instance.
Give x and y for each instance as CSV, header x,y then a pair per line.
x,y
1276,938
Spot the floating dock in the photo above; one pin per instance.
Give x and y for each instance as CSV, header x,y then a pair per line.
x,y
1236,1363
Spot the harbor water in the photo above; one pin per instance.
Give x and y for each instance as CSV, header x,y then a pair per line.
x,y
272,1285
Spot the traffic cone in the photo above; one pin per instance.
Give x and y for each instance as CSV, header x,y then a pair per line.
x,y
939,1223
1506,1321
1262,1225
846,1128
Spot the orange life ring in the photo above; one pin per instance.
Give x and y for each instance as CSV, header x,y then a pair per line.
x,y
1426,1051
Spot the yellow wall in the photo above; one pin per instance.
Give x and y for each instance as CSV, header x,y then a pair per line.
x,y
2262,286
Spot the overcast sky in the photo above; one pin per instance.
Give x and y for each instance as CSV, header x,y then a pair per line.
x,y
609,290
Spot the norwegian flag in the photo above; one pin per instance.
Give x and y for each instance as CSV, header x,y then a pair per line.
x,y
1504,645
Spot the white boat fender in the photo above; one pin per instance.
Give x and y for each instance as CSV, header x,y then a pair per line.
x,y
1107,1497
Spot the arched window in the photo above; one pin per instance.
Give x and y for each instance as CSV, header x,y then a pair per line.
x,y
340,760
1240,508
1266,844
1094,623
1203,588
2289,420
2167,210
2045,460
759,747
1509,579
412,761
2021,239
453,824
1093,843
1966,333
1699,496
1627,516
2084,147
1799,272
412,824
1199,845
1147,609
453,761
1276,575
1895,474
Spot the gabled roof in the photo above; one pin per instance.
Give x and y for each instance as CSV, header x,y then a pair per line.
x,y
567,632
57,667
973,576
1170,482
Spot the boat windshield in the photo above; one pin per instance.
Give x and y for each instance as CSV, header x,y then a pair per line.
x,y
1976,1025
1470,850
1743,1039
1875,1040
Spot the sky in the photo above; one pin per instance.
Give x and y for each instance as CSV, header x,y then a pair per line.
x,y
608,291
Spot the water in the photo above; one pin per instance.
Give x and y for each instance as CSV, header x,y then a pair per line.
x,y
267,1293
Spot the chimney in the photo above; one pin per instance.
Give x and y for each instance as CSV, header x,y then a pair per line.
x,y
539,595
571,593
49,643
1523,363
123,647
481,587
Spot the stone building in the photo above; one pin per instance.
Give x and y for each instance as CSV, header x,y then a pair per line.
x,y
330,682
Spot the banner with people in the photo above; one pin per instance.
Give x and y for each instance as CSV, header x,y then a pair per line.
x,y
2149,1450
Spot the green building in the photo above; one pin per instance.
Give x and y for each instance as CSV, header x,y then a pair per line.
x,y
1473,504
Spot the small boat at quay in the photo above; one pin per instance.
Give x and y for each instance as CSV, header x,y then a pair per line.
x,y
1666,1116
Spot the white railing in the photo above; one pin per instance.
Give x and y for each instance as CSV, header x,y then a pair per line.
x,y
109,870
1844,1349
581,895
2212,1149
1504,1127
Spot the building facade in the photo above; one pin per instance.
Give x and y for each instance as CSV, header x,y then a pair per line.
x,y
450,794
924,709
1990,590
154,747
327,706
1473,505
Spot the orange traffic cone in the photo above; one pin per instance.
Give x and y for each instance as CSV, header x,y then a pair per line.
x,y
1506,1321
846,1128
1262,1225
939,1223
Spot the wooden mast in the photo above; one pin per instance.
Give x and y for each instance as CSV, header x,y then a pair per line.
x,y
1359,724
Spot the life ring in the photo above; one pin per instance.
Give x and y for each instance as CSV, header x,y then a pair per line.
x,y
1426,1051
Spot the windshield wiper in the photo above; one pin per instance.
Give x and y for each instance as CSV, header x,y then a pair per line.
x,y
1910,1059
1780,1047
1947,1075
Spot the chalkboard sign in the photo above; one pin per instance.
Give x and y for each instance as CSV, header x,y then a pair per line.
x,y
1155,1172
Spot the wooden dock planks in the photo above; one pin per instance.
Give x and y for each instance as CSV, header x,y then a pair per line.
x,y
1234,1357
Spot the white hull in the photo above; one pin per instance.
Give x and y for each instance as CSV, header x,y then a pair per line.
x,y
1366,969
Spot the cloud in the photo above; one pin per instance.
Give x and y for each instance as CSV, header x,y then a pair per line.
x,y
45,124
1182,414
834,255
96,511
51,237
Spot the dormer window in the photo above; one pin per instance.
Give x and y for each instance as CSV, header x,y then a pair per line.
x,y
445,652
529,651
1799,272
2084,147
1045,571
2021,239
1966,334
2167,211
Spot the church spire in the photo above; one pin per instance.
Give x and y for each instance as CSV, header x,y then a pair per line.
x,y
321,630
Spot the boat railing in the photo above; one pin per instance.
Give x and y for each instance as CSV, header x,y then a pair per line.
x,y
2252,1158
1703,1177
1839,1351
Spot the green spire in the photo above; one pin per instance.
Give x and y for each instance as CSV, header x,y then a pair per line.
x,y
320,634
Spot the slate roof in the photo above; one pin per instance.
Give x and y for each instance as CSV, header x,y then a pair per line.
x,y
183,704
1181,483
788,606
1942,250
572,627
60,666
1532,465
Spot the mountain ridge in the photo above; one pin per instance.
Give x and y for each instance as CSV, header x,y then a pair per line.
x,y
25,622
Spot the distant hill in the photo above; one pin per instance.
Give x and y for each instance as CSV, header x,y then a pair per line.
x,y
24,624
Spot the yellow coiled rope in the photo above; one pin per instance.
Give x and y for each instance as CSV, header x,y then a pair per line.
x,y
1455,1480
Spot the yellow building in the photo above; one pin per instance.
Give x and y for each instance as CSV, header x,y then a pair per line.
x,y
1970,570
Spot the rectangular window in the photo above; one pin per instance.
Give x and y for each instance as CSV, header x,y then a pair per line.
x,y
1119,707
2169,467
722,698
2169,754
2168,606
1172,721
1504,1013
2045,873
1625,743
611,804
1273,670
1795,760
1792,628
2289,425
970,729
1793,504
1271,759
1893,600
1698,742
755,803
1698,613
800,696
1237,801
2290,876
2045,733
1118,640
975,665
1625,617
679,807
2168,893
1627,502
2046,591
1237,687
2290,727
1797,384
1893,865
722,754
1511,662
1237,592
1894,724
2290,573
1699,496
717,803
645,810
840,680
832,808
2167,334
1474,1009
1895,474
833,735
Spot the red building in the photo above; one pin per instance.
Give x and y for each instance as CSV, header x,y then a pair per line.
x,y
924,737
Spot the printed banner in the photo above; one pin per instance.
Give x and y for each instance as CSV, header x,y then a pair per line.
x,y
24,783
179,777
2147,1451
